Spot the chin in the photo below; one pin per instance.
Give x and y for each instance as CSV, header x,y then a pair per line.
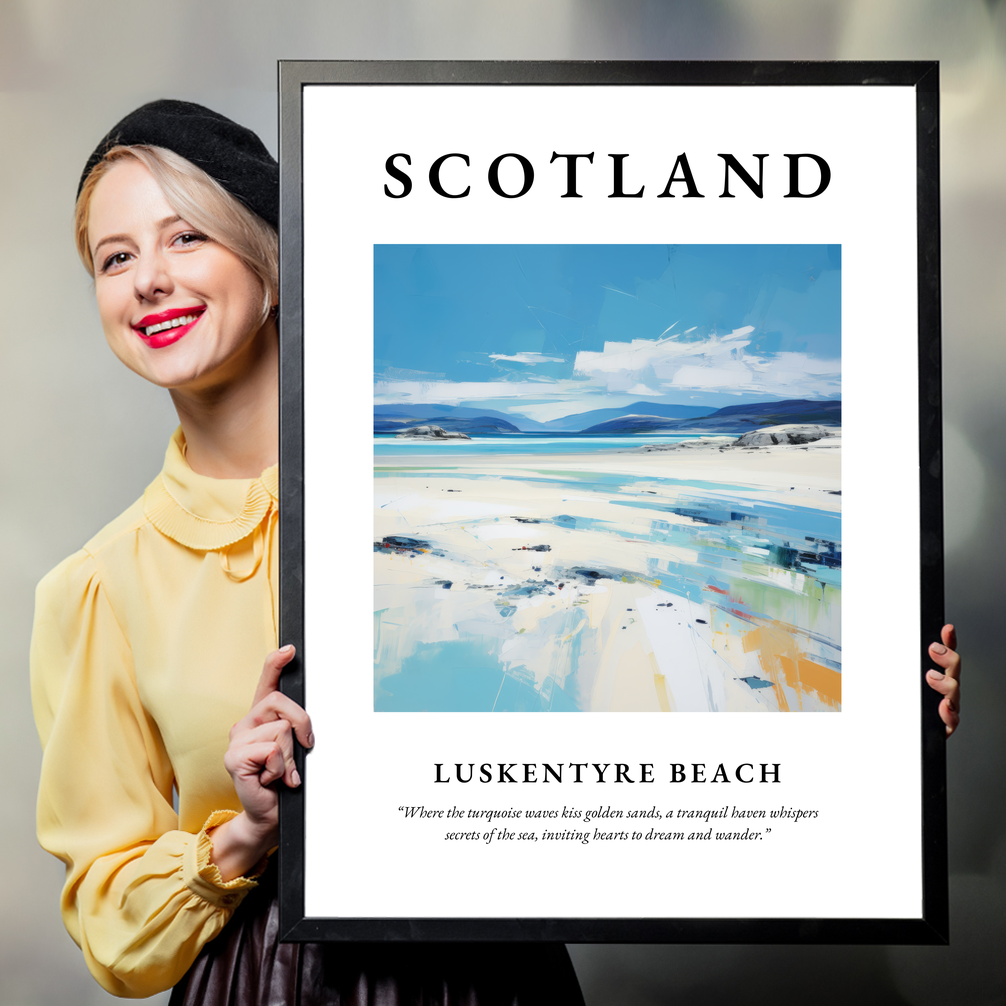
x,y
191,364
170,374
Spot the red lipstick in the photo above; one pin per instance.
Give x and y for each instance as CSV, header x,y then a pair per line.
x,y
166,327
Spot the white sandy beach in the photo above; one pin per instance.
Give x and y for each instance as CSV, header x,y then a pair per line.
x,y
566,570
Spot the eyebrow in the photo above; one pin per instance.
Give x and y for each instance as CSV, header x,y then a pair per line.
x,y
111,238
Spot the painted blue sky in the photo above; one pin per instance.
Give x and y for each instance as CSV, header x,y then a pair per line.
x,y
551,330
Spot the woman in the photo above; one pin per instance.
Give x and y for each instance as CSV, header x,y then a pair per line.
x,y
148,643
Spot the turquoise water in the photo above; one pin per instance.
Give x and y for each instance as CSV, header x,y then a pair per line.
x,y
520,443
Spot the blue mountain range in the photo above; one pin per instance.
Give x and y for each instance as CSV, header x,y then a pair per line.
x,y
732,419
454,424
393,418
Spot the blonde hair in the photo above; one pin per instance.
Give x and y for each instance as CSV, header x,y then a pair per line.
x,y
199,200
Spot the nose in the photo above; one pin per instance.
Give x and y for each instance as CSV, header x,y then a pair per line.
x,y
152,277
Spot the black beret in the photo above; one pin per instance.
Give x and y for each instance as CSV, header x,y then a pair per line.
x,y
230,154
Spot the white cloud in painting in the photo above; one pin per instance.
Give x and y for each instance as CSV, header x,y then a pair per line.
x,y
454,392
540,400
530,358
625,361
398,374
625,372
716,363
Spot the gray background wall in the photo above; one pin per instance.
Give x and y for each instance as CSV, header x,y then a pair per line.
x,y
82,436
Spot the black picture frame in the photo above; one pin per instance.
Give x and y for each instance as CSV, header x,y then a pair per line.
x,y
932,927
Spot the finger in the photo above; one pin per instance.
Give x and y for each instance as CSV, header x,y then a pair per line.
x,y
274,766
946,686
276,706
950,716
259,760
271,670
280,733
948,659
949,636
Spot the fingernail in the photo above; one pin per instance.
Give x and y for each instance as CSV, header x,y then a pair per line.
x,y
310,740
295,777
936,675
938,648
287,649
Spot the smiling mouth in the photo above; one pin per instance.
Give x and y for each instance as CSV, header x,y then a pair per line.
x,y
185,319
167,321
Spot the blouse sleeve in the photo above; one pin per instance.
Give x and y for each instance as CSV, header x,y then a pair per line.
x,y
141,898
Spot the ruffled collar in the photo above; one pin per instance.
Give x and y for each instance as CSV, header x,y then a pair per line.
x,y
203,513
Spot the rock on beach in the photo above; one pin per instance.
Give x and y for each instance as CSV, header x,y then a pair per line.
x,y
430,433
792,433
787,435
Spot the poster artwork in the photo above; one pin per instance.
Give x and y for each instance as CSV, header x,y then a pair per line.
x,y
607,477
637,336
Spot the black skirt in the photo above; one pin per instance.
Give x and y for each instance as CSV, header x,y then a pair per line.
x,y
246,965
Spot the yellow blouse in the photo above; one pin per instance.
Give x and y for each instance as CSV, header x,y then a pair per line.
x,y
147,647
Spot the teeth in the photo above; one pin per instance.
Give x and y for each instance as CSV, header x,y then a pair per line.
x,y
174,323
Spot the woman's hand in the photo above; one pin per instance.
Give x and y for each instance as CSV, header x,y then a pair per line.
x,y
260,753
947,682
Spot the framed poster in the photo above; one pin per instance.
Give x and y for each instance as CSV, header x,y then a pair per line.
x,y
611,501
